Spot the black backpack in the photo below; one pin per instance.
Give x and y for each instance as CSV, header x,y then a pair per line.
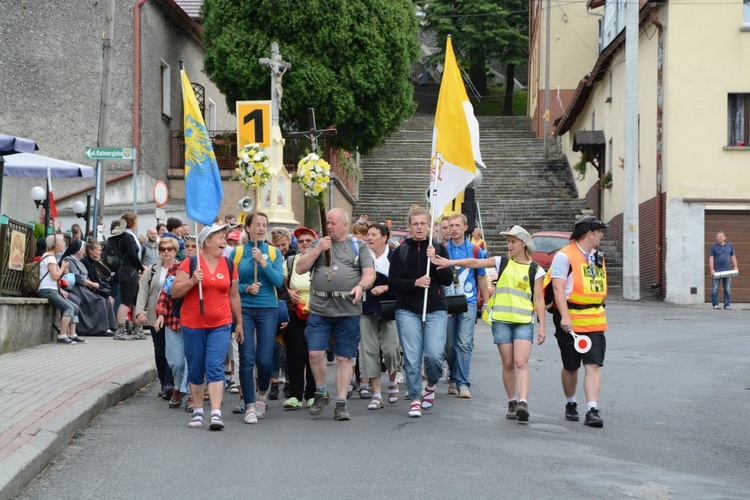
x,y
112,257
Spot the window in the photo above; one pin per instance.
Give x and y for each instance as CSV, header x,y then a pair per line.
x,y
211,118
746,13
738,120
166,88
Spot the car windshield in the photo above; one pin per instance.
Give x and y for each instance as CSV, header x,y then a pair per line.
x,y
549,244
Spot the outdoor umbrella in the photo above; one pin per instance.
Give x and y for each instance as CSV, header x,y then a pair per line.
x,y
10,144
32,165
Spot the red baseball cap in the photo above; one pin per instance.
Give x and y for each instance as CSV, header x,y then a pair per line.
x,y
234,235
305,230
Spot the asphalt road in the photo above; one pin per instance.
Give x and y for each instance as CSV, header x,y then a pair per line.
x,y
674,401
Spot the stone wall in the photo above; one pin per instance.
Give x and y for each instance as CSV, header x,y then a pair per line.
x,y
25,322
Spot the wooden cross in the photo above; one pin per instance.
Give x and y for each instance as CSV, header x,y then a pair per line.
x,y
330,273
313,135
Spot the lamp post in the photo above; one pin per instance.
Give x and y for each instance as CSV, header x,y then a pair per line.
x,y
83,213
41,198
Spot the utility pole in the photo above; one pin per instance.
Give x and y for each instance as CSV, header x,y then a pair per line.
x,y
101,138
631,289
546,82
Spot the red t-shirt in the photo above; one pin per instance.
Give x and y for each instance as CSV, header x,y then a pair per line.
x,y
216,308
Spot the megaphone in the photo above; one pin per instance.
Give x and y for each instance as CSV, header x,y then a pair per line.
x,y
246,204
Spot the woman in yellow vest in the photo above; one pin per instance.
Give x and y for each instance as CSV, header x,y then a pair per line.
x,y
511,312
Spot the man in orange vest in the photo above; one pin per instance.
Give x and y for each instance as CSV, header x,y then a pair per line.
x,y
579,282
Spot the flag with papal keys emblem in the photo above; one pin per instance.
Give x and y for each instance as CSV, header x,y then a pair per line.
x,y
456,135
203,189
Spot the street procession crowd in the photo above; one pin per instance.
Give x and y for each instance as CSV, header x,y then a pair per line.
x,y
233,309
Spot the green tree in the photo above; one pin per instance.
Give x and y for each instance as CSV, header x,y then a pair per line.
x,y
482,30
350,61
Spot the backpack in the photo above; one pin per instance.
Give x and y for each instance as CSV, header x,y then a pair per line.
x,y
549,292
177,302
30,281
533,268
240,250
112,257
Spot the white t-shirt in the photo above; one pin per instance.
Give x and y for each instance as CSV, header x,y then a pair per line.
x,y
539,271
382,264
47,282
560,268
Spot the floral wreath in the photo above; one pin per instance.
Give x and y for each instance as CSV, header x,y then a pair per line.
x,y
313,175
253,167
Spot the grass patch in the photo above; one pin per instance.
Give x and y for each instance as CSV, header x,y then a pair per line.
x,y
493,102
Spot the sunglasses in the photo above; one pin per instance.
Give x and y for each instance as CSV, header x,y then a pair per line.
x,y
280,231
166,249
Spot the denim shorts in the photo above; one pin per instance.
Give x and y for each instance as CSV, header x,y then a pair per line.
x,y
344,329
507,333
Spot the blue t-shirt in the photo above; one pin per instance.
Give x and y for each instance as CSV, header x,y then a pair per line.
x,y
467,283
722,255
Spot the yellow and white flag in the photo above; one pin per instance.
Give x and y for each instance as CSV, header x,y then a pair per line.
x,y
455,137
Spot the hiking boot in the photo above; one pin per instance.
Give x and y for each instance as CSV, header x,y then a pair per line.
x,y
452,389
121,333
522,411
240,408
593,419
512,407
571,412
340,413
137,332
176,400
321,400
273,394
189,406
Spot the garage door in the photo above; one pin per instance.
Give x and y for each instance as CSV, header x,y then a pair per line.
x,y
735,225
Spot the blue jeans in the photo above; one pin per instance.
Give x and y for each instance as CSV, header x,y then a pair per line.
x,y
205,350
727,281
65,306
421,341
259,327
175,353
459,345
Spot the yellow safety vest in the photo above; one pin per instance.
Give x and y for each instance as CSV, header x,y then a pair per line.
x,y
585,304
512,300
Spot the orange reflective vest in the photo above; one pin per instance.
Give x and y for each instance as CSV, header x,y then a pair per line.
x,y
585,304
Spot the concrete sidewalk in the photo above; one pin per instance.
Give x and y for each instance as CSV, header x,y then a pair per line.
x,y
51,391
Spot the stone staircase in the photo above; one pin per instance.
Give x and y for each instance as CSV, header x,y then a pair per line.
x,y
518,186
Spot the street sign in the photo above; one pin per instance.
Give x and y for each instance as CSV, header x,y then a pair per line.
x,y
253,123
160,214
95,153
161,193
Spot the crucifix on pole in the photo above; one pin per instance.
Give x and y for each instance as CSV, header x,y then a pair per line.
x,y
278,67
313,134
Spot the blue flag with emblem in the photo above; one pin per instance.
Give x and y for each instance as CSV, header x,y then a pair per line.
x,y
203,189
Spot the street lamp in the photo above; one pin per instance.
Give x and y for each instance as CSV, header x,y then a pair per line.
x,y
41,199
83,211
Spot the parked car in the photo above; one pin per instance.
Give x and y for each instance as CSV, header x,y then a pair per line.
x,y
548,243
399,234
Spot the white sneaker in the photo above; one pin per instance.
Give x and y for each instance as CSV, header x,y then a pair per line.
x,y
463,392
251,417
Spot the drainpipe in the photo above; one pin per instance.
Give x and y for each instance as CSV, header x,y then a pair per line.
x,y
137,81
659,147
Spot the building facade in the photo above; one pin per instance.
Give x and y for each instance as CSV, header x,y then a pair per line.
x,y
693,133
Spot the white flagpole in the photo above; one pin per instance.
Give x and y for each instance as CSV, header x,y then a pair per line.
x,y
433,197
198,266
